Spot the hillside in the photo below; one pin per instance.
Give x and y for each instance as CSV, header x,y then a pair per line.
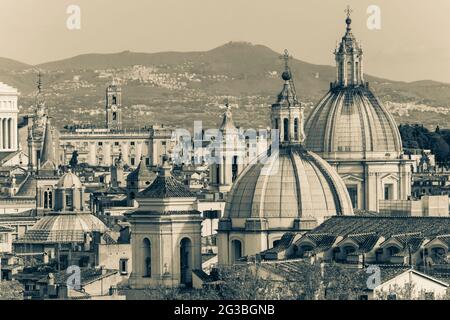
x,y
180,87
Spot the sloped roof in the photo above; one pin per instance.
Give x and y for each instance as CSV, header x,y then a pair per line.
x,y
48,157
6,155
28,187
88,275
384,226
141,173
366,241
323,241
284,243
166,186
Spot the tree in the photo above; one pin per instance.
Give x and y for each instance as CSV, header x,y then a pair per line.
x,y
306,284
342,283
11,290
244,282
400,293
440,149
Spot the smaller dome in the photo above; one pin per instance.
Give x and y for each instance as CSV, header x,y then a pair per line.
x,y
63,228
69,180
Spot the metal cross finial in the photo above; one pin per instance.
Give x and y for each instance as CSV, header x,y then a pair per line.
x,y
286,58
348,11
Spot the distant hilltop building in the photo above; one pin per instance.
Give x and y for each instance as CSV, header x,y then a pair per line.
x,y
101,147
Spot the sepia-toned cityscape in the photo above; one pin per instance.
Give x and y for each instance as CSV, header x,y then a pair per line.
x,y
236,173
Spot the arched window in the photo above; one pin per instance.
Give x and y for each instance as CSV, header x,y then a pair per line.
x,y
236,250
286,129
147,258
349,73
296,129
114,100
185,261
305,251
357,72
45,200
392,251
69,200
50,199
218,174
234,168
114,116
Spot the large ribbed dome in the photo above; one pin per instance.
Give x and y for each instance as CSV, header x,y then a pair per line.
x,y
352,120
63,228
298,185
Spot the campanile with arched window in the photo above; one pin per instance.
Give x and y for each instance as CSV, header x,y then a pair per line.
x,y
114,107
166,234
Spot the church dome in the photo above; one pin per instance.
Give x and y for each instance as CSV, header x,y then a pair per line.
x,y
69,181
63,228
295,184
352,120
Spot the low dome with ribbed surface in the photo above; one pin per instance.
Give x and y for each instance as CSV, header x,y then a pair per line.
x,y
351,122
68,181
299,184
63,228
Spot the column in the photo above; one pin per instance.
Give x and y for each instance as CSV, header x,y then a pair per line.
x,y
92,154
9,133
138,151
125,152
14,131
4,133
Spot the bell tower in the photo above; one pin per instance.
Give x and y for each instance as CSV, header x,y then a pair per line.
x,y
287,113
114,107
229,155
349,58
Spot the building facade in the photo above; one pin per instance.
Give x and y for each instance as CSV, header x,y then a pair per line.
x,y
102,146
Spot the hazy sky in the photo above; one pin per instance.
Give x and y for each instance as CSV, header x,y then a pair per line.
x,y
413,43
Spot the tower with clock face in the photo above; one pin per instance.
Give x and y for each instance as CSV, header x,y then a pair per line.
x,y
114,107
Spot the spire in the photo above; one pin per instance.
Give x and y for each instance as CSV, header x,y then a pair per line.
x,y
288,95
48,158
287,113
40,111
39,82
348,56
348,21
227,121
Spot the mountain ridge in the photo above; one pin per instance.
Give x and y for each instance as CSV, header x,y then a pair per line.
x,y
190,81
